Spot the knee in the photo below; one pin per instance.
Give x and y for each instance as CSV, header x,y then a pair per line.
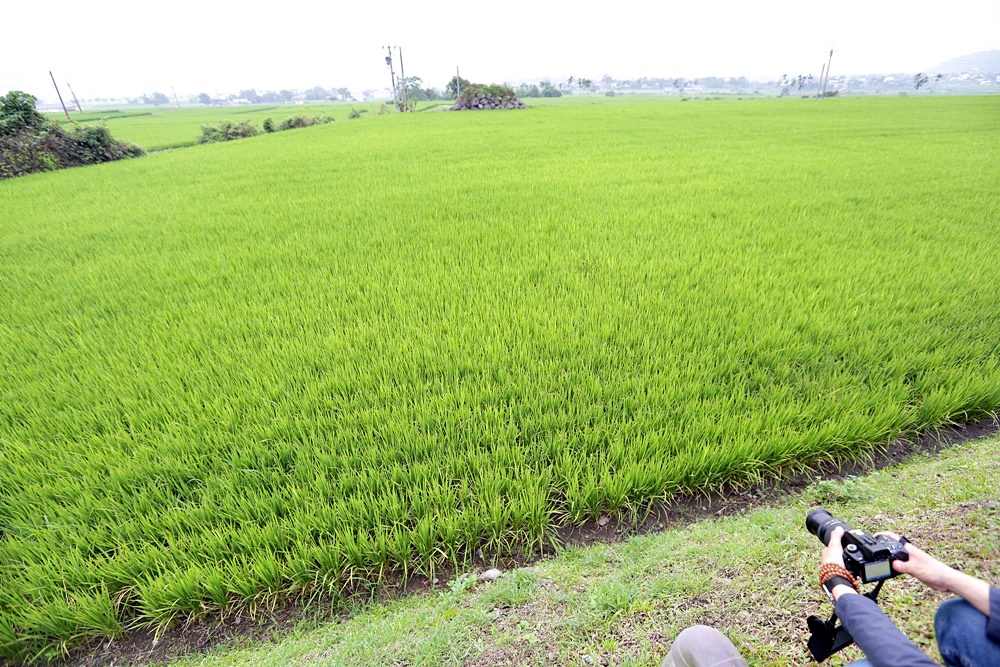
x,y
955,622
697,635
956,615
702,645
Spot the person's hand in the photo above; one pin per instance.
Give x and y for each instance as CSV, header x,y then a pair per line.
x,y
833,552
932,572
923,566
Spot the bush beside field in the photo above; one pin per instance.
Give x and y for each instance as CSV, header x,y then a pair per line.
x,y
30,144
268,370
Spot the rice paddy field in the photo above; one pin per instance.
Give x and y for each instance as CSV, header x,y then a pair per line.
x,y
305,363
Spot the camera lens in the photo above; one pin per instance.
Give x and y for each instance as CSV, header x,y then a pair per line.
x,y
820,523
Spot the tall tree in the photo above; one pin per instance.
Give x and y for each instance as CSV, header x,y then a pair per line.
x,y
455,85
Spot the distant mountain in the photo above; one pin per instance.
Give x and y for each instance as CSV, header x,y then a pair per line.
x,y
984,61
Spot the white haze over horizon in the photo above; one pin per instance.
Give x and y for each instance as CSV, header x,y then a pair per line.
x,y
112,48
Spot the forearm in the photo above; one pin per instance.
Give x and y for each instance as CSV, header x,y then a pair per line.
x,y
974,591
882,642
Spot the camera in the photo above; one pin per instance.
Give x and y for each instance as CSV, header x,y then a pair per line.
x,y
867,557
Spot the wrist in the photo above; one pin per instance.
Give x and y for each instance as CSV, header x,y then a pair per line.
x,y
841,590
837,586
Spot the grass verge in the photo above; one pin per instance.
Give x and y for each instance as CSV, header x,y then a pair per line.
x,y
751,575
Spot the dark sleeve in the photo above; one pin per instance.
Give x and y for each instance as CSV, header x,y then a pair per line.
x,y
993,622
884,645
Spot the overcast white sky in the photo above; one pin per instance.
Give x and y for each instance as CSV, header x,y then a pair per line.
x,y
116,48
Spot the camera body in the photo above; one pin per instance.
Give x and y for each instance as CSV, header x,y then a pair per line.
x,y
867,557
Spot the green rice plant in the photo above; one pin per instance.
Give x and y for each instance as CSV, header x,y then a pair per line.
x,y
215,589
10,643
165,599
424,542
270,573
585,499
332,573
399,547
536,516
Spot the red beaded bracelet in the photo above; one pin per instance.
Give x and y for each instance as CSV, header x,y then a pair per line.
x,y
830,570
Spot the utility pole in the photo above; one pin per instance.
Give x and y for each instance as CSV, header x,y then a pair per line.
x,y
176,101
392,74
402,75
819,84
458,83
827,77
79,108
65,110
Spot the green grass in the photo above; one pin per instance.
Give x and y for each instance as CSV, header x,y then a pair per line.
x,y
309,361
751,576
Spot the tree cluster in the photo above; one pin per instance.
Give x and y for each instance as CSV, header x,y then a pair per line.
x,y
412,90
29,143
545,89
156,99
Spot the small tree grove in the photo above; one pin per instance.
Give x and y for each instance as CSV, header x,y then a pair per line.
x,y
30,143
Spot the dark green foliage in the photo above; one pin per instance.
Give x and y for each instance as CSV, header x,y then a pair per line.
x,y
25,152
90,144
296,122
17,112
29,143
227,130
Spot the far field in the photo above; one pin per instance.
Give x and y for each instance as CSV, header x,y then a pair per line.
x,y
156,128
311,361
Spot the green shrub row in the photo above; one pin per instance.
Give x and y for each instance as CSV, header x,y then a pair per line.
x,y
227,130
